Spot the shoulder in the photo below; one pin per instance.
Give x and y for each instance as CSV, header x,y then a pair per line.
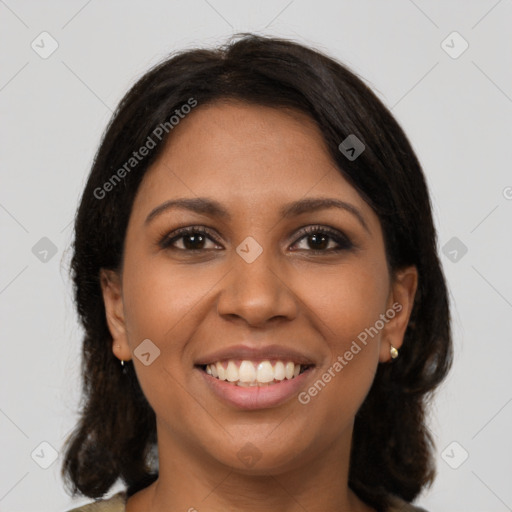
x,y
396,504
114,504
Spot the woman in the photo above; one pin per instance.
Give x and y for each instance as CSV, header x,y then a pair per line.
x,y
265,312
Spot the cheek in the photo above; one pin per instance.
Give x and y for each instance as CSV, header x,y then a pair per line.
x,y
162,304
158,295
346,300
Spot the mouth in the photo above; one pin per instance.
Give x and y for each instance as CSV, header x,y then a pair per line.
x,y
255,385
251,373
249,377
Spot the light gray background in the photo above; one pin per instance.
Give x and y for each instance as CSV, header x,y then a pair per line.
x,y
456,111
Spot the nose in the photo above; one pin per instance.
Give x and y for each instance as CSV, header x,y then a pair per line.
x,y
257,292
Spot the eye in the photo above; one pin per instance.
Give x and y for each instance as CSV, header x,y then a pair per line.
x,y
191,239
323,240
316,239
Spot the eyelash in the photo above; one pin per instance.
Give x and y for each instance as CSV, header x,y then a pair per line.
x,y
343,242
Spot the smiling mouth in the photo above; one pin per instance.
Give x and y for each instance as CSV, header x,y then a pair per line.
x,y
246,373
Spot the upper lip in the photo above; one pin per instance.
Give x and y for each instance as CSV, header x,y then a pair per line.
x,y
252,353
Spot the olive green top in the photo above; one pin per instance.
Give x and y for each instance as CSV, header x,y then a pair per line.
x,y
117,504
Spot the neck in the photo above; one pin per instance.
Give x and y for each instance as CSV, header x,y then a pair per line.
x,y
191,480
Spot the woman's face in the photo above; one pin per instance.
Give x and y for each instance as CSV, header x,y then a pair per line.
x,y
255,287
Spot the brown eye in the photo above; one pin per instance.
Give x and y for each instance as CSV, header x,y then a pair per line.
x,y
193,241
320,239
190,239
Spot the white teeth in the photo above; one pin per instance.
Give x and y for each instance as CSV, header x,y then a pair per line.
x,y
265,372
254,374
288,370
246,372
220,370
232,372
279,371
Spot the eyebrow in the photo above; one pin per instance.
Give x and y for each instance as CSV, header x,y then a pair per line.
x,y
206,206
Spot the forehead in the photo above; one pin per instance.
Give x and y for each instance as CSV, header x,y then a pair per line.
x,y
246,155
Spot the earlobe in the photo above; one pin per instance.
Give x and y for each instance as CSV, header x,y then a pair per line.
x,y
401,302
114,310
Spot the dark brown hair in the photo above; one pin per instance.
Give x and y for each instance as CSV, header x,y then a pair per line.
x,y
392,449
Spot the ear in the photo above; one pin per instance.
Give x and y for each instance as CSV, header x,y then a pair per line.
x,y
114,309
400,304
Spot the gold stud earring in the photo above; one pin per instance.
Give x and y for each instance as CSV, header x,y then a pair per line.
x,y
393,352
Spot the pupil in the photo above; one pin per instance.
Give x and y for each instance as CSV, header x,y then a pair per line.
x,y
320,241
190,241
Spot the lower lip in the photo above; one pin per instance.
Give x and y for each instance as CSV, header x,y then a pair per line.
x,y
256,397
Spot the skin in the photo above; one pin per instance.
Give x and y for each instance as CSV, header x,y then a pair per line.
x,y
253,160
